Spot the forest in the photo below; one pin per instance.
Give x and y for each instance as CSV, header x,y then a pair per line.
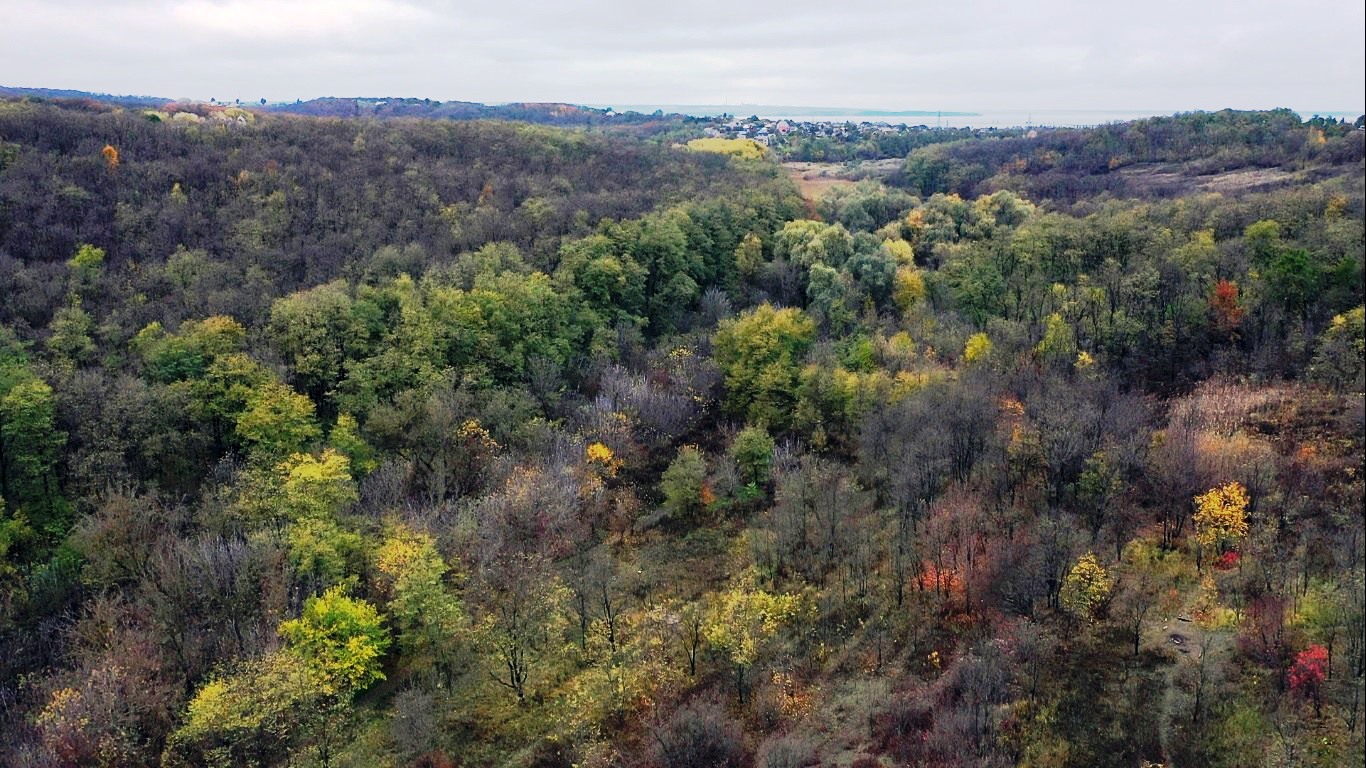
x,y
332,441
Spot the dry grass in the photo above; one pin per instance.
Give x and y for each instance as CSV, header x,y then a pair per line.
x,y
1153,178
815,180
1222,407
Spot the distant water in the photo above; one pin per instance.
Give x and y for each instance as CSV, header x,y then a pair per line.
x,y
931,118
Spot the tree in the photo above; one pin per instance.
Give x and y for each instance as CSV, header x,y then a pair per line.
x,y
316,331
749,255
85,266
14,532
277,421
1224,306
741,621
978,347
323,553
808,242
316,486
30,445
1308,673
188,353
429,619
700,734
1140,587
253,715
220,394
752,451
1086,589
1221,517
342,641
829,296
1097,486
1292,279
684,484
760,354
876,275
345,437
70,339
524,621
1340,359
1059,343
909,288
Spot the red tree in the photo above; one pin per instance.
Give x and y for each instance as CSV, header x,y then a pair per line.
x,y
1223,302
1308,673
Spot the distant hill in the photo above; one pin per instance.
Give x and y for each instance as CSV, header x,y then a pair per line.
x,y
60,93
540,113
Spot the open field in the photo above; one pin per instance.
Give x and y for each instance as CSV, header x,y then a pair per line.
x,y
814,180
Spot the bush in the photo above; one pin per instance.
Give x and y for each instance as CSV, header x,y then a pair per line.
x,y
700,735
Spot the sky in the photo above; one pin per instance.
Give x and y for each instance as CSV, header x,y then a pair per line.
x,y
968,55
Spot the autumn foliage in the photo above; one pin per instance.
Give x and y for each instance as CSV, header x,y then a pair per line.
x,y
1308,673
1223,302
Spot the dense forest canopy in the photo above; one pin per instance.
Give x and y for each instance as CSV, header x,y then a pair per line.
x,y
349,442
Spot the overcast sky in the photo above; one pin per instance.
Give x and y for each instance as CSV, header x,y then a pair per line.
x,y
1160,55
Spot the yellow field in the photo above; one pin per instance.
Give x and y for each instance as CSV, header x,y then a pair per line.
x,y
745,149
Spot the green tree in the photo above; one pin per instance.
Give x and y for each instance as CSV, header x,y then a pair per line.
x,y
684,484
1059,343
752,451
828,295
806,243
86,265
277,422
611,281
14,534
188,353
316,332
30,446
316,487
1262,239
323,553
1340,359
345,437
429,619
70,339
760,354
671,287
749,255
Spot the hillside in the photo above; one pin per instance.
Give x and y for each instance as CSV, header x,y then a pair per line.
x,y
1157,157
464,442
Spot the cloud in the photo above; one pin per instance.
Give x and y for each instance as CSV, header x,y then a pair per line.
x,y
967,55
288,21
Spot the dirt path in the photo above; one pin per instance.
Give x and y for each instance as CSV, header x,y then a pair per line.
x,y
1189,642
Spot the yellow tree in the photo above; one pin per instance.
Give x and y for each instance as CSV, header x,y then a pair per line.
x,y
341,639
1086,589
977,348
1221,517
741,621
